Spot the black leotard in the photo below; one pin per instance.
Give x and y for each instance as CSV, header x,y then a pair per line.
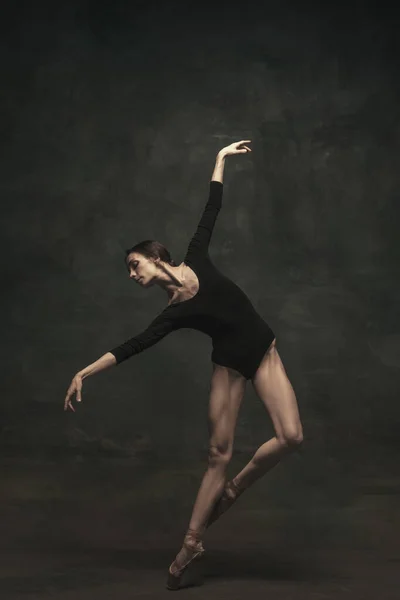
x,y
219,309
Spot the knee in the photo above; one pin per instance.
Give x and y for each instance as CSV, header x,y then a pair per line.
x,y
219,455
291,437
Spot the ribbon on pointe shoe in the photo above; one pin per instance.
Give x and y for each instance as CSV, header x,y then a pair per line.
x,y
229,494
192,549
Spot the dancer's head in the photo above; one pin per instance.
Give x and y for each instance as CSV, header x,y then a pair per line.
x,y
146,262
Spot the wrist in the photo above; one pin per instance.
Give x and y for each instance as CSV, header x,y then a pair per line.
x,y
221,155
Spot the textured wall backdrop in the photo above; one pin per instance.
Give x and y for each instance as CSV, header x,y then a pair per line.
x,y
112,118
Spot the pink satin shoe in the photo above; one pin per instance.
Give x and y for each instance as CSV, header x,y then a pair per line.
x,y
195,547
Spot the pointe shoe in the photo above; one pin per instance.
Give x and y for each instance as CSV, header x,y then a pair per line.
x,y
229,495
196,547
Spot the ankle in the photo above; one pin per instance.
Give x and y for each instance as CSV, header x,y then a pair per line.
x,y
237,486
193,537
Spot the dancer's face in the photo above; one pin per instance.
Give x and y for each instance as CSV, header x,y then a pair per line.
x,y
141,269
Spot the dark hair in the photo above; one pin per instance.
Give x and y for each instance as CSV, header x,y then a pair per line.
x,y
152,249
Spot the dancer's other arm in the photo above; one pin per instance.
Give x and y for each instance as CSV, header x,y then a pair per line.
x,y
160,326
104,362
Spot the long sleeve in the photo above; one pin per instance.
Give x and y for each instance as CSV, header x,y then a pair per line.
x,y
158,328
199,243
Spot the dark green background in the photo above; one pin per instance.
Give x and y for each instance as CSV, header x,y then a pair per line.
x,y
112,115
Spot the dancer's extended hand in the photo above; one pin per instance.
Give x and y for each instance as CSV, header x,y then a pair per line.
x,y
75,387
236,148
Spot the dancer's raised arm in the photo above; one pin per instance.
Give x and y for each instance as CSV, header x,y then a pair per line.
x,y
200,241
235,148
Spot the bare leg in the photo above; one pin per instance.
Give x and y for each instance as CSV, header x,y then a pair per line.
x,y
210,490
227,389
274,389
266,457
276,392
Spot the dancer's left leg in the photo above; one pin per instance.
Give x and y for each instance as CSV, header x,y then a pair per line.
x,y
273,387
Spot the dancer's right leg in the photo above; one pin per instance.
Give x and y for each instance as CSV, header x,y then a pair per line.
x,y
226,394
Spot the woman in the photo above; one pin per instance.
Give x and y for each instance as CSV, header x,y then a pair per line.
x,y
244,347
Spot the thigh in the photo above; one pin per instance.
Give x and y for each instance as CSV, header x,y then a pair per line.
x,y
273,387
226,394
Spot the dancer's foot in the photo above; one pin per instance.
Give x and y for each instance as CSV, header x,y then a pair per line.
x,y
192,549
230,493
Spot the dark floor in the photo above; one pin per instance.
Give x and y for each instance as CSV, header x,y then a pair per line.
x,y
226,572
72,543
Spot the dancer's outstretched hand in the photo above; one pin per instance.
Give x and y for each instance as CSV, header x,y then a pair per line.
x,y
75,387
236,148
